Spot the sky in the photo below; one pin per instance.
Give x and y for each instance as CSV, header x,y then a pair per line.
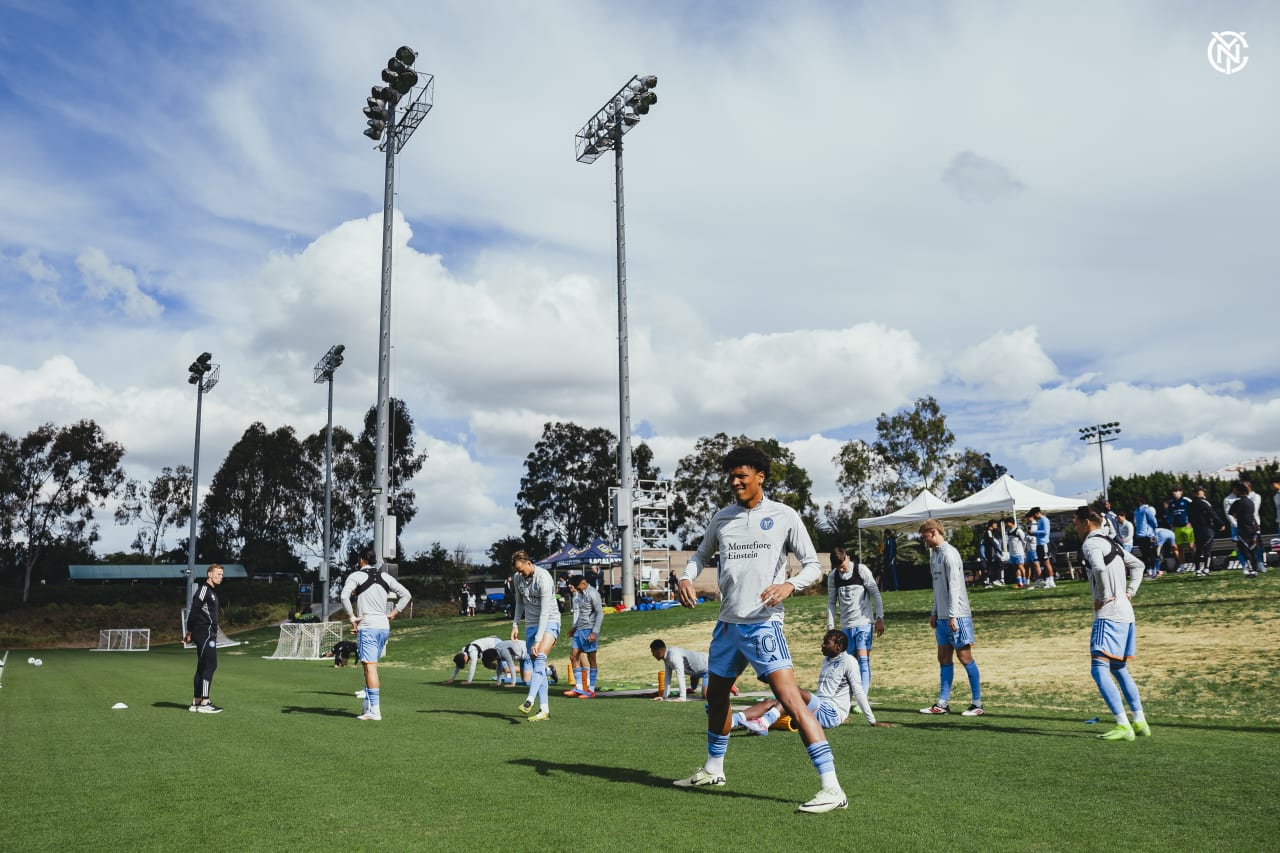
x,y
1045,215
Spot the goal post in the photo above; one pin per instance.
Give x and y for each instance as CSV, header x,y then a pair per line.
x,y
306,640
124,640
222,641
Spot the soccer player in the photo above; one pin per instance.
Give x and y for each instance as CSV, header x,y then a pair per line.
x,y
1112,641
1144,535
512,658
851,592
1040,534
471,653
1016,546
536,604
679,663
839,683
202,632
588,616
753,537
951,620
1177,516
371,588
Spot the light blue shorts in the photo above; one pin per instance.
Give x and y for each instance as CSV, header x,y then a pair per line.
x,y
760,644
371,643
958,639
859,637
1016,559
827,715
1114,640
531,631
582,644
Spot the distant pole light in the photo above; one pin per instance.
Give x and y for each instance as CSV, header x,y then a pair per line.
x,y
1101,434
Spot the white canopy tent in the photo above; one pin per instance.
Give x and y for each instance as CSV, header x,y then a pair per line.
x,y
1005,497
922,506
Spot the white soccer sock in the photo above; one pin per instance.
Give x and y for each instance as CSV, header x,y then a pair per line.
x,y
738,719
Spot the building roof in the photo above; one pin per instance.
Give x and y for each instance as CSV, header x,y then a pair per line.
x,y
148,571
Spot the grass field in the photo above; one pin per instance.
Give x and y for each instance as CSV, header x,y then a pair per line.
x,y
286,767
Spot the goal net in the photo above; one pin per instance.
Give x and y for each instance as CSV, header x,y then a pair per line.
x,y
222,642
306,640
123,640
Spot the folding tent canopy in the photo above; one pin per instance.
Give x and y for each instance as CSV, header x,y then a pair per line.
x,y
922,506
1005,497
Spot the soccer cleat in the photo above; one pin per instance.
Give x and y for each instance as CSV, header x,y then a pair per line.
x,y
1142,727
544,714
826,800
756,727
700,779
997,583
360,694
1124,731
371,714
526,707
973,711
936,709
209,708
574,692
586,694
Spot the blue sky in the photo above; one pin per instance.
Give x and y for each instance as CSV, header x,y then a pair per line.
x,y
1044,215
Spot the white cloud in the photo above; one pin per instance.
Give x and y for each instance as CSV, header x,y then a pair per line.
x,y
975,178
110,282
1007,365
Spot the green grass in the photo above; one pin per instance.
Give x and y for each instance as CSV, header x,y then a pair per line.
x,y
449,768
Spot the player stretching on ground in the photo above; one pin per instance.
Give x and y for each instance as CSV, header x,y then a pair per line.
x,y
753,538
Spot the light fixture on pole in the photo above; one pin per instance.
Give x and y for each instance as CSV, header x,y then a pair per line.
x,y
324,373
380,109
1098,434
602,132
203,374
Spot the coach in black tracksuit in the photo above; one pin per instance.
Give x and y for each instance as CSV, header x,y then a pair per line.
x,y
202,631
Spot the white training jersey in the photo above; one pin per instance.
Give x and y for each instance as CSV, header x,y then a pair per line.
x,y
474,650
753,544
1015,541
840,683
851,594
588,611
371,605
536,601
1106,561
680,663
949,595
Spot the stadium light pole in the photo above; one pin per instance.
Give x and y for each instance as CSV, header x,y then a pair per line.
x,y
602,132
1098,434
204,375
324,373
400,79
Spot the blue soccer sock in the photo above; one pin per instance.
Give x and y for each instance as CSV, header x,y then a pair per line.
x,y
975,681
717,746
591,674
579,678
946,674
371,697
1110,693
864,669
824,762
1128,687
737,719
772,715
538,678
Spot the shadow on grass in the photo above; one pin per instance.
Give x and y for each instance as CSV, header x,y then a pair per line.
x,y
997,718
628,775
492,715
321,712
173,705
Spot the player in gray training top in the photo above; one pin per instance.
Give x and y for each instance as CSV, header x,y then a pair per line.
x,y
851,594
678,663
951,620
536,605
1112,641
588,616
512,657
371,587
753,538
839,684
471,653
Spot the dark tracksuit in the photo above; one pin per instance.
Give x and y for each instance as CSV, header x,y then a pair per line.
x,y
202,622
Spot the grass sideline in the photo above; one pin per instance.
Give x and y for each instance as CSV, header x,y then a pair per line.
x,y
455,768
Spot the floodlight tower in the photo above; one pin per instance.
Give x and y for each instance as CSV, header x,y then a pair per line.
x,y
401,79
1097,434
604,131
204,375
324,369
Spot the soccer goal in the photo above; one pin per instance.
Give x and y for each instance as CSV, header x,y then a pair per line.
x,y
123,640
222,642
306,640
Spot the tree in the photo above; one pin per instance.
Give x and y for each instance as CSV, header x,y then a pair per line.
x,y
50,483
564,494
404,465
346,500
972,471
500,552
910,453
703,489
163,503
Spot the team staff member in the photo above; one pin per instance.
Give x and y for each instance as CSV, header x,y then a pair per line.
x,y
371,587
202,632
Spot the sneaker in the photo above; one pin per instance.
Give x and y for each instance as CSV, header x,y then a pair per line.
x,y
194,709
574,692
359,694
1120,732
972,711
544,714
1051,583
700,779
1251,574
371,714
208,708
756,727
997,583
936,709
1142,727
826,800
526,707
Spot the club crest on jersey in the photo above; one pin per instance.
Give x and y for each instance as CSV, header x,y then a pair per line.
x,y
766,524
